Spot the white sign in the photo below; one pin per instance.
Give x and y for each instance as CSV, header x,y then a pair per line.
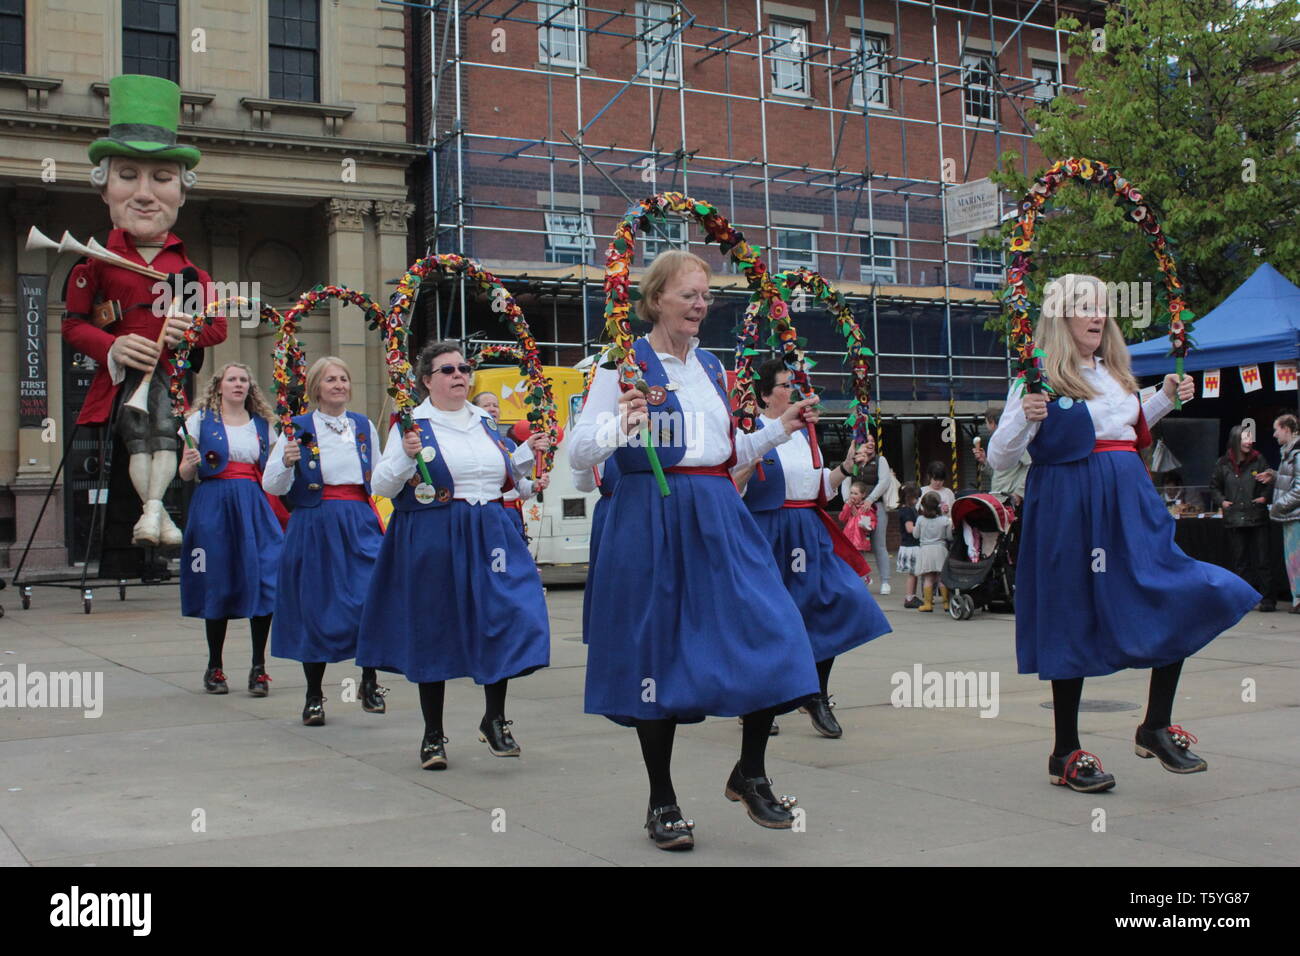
x,y
1250,380
1284,377
1210,383
971,207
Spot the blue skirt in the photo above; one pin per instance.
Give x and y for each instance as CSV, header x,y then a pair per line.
x,y
598,515
1100,584
455,593
239,539
838,610
329,552
690,618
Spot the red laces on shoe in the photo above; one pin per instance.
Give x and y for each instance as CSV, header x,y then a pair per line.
x,y
1080,760
218,677
1182,738
264,678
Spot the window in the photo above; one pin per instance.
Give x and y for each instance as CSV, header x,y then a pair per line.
x,y
883,268
13,52
654,51
295,50
560,40
977,80
1045,80
653,242
569,237
987,269
149,44
795,248
871,77
788,53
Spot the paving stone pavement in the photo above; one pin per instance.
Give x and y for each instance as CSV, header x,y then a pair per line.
x,y
169,775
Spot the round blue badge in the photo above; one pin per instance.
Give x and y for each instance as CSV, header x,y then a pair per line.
x,y
1065,401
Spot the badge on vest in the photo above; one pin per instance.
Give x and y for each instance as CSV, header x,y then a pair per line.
x,y
428,453
657,395
424,493
1065,401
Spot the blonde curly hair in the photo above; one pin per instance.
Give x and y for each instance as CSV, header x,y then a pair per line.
x,y
254,401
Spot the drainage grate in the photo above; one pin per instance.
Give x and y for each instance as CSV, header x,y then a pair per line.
x,y
1099,706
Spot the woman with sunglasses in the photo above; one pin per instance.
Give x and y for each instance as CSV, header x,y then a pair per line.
x,y
455,592
688,617
333,536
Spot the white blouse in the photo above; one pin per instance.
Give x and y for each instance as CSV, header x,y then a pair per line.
x,y
473,458
241,440
339,464
706,431
801,479
1114,414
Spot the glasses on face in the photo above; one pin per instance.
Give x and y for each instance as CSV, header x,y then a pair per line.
x,y
453,369
690,297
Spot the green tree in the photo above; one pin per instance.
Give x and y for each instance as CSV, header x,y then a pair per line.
x,y
1197,102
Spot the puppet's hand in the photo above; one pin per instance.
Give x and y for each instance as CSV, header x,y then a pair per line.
x,y
134,351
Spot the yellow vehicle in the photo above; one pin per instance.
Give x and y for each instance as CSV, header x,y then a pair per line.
x,y
559,519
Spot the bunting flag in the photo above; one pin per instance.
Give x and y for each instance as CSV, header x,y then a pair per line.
x,y
1250,380
1210,383
1284,377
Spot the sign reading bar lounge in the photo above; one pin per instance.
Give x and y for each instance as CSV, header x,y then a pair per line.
x,y
33,384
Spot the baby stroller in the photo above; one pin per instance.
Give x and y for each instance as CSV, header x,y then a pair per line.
x,y
980,569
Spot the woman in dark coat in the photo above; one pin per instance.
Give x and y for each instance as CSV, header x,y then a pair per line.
x,y
1240,483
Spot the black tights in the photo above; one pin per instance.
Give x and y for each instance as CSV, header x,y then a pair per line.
x,y
824,673
315,673
656,738
432,696
216,632
1066,695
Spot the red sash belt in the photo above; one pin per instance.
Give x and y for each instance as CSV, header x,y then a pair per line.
x,y
840,543
352,493
515,504
799,504
1111,445
240,469
718,471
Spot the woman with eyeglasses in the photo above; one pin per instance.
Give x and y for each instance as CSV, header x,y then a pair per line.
x,y
333,536
821,569
513,500
455,592
688,617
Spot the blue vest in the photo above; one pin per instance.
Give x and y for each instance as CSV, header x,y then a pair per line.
x,y
766,493
609,477
308,476
444,489
215,449
1067,434
667,422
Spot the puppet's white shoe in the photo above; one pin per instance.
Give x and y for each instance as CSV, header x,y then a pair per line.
x,y
149,526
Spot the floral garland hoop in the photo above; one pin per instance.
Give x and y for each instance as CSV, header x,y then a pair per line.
x,y
1016,295
542,416
499,353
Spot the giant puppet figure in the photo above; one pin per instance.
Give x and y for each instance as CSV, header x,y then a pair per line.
x,y
118,317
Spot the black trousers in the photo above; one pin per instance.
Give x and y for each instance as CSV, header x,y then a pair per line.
x,y
1248,552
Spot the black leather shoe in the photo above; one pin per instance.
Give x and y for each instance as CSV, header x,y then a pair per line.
x,y
433,755
214,681
763,807
313,715
1267,606
372,697
259,684
823,721
1169,745
496,734
1079,771
673,833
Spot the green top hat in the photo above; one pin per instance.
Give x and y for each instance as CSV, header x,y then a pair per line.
x,y
143,112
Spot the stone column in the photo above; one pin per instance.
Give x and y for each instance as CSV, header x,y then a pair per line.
x,y
391,217
348,332
39,449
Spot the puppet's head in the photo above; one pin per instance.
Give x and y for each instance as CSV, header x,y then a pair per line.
x,y
141,172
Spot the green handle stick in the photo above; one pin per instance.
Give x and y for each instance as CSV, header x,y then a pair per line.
x,y
1178,370
647,442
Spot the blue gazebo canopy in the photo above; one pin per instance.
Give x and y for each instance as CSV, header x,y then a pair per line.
x,y
1259,322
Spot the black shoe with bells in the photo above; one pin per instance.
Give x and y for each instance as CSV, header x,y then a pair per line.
x,y
313,715
673,833
496,734
214,681
819,709
372,697
1169,744
259,684
763,807
1079,771
433,755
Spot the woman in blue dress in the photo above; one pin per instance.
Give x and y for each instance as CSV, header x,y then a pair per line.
x,y
1101,586
231,550
513,500
820,567
333,536
688,617
455,592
